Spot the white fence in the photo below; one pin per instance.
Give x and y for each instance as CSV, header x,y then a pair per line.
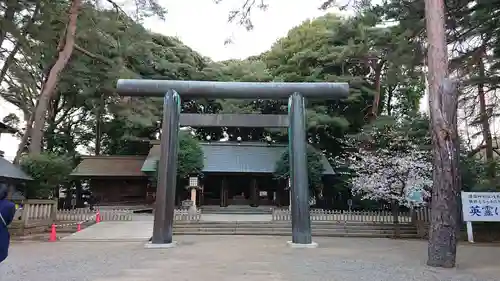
x,y
186,215
346,216
118,215
88,215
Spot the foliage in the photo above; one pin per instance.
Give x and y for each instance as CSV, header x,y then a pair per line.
x,y
315,168
189,157
389,176
393,160
49,172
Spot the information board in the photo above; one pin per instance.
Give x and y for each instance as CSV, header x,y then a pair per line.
x,y
481,206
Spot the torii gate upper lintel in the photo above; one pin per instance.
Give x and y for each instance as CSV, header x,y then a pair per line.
x,y
233,90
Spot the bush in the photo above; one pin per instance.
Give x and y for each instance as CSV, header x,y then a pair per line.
x,y
49,172
189,157
315,167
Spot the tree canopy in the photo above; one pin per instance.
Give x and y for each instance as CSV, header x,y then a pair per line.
x,y
379,51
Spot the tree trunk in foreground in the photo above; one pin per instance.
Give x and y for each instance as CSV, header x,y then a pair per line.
x,y
50,84
443,102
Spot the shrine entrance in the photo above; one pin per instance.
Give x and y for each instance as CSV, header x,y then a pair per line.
x,y
295,121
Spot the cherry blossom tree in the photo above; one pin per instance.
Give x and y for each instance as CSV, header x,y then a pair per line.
x,y
392,175
391,161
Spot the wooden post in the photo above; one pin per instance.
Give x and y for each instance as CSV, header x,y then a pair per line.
x,y
443,103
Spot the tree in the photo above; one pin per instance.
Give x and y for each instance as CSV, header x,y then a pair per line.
x,y
64,49
43,35
443,102
49,172
189,158
315,170
391,162
392,176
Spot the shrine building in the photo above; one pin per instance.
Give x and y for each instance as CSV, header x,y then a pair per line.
x,y
234,173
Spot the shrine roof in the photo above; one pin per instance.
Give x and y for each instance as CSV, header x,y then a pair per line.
x,y
219,157
10,172
234,157
110,166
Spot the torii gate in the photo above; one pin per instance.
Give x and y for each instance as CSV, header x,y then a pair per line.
x,y
295,92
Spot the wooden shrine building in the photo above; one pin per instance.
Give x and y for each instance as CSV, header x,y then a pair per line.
x,y
233,174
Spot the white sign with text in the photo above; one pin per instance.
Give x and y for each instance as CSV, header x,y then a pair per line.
x,y
481,206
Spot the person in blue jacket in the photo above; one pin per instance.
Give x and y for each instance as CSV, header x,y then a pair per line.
x,y
7,212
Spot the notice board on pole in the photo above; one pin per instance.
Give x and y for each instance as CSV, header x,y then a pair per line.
x,y
480,206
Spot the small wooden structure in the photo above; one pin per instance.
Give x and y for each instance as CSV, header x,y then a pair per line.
x,y
115,179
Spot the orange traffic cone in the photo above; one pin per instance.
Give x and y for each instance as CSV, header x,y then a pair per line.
x,y
98,217
78,227
53,234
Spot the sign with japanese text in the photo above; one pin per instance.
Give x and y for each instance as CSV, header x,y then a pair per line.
x,y
481,206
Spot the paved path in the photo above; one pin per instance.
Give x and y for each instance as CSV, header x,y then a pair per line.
x,y
141,227
114,231
256,258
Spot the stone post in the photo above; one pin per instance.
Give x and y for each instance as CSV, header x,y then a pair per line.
x,y
193,195
301,220
193,186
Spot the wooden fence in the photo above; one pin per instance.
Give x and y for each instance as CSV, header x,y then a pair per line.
x,y
422,215
355,216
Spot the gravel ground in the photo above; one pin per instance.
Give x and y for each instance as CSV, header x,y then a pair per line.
x,y
219,258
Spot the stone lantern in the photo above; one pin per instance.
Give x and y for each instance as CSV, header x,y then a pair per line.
x,y
193,186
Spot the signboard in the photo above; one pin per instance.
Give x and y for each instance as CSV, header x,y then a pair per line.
x,y
415,196
481,206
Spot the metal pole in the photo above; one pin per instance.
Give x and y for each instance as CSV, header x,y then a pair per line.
x,y
167,171
301,221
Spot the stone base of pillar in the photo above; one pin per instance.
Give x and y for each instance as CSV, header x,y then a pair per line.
x,y
150,245
192,210
301,246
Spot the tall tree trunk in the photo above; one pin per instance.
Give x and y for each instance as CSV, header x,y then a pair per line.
x,y
378,87
485,124
443,103
50,84
395,219
25,138
389,101
98,129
